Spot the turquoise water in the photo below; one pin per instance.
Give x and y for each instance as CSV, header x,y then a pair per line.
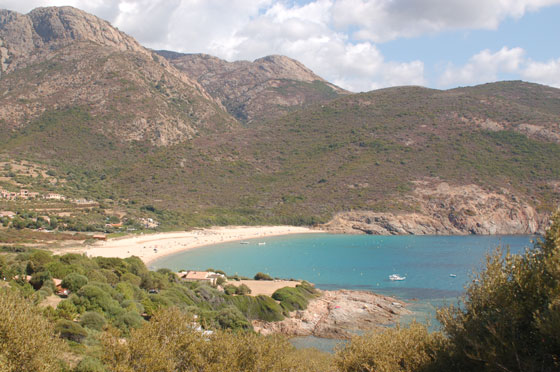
x,y
361,262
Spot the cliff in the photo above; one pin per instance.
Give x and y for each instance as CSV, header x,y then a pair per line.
x,y
443,209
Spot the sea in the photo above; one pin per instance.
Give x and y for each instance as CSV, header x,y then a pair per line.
x,y
436,268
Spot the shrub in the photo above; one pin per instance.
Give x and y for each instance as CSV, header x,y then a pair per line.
x,y
74,282
39,279
135,280
230,289
70,330
510,315
242,290
168,343
262,276
231,318
295,298
258,307
394,350
89,364
127,321
67,310
26,338
92,320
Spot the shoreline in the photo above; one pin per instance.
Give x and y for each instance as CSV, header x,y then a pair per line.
x,y
152,247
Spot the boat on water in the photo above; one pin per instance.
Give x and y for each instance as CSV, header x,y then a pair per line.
x,y
453,275
396,277
244,243
262,243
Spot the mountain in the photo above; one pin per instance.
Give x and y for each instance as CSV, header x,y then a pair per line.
x,y
398,151
60,59
266,88
154,135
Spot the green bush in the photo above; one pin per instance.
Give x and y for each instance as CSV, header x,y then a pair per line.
x,y
242,290
41,278
74,282
296,298
89,364
258,307
230,289
128,321
70,330
231,318
66,310
92,320
135,280
262,276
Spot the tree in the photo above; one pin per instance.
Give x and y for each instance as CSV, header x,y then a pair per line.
x,y
510,316
27,341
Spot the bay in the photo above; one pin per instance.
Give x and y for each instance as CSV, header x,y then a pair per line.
x,y
437,268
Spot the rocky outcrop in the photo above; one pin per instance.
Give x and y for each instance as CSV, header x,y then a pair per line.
x,y
263,89
338,314
442,209
61,57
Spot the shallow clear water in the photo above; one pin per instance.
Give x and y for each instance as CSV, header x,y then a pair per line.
x,y
362,262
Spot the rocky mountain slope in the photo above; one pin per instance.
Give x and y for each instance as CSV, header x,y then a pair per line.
x,y
255,91
57,59
121,123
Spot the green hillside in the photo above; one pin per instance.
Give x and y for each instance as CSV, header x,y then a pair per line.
x,y
361,151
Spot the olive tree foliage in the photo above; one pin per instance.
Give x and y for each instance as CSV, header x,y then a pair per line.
x,y
169,342
27,339
510,316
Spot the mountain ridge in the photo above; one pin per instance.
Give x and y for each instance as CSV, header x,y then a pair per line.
x,y
266,88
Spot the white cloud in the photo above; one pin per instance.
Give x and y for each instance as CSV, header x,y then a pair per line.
x,y
382,20
543,72
335,38
484,67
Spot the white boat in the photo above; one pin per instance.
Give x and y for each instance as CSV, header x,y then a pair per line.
x,y
262,243
453,275
244,243
396,277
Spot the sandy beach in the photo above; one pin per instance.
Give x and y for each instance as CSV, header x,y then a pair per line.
x,y
153,246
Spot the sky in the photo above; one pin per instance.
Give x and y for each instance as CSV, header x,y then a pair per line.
x,y
359,45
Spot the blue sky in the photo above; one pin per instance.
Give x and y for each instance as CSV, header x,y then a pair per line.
x,y
358,44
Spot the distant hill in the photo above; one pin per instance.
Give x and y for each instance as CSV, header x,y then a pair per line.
x,y
197,140
254,91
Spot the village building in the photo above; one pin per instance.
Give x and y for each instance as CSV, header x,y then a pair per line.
x,y
23,193
8,214
200,276
53,196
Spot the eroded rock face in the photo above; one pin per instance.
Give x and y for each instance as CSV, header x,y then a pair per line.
x,y
338,314
443,209
263,89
